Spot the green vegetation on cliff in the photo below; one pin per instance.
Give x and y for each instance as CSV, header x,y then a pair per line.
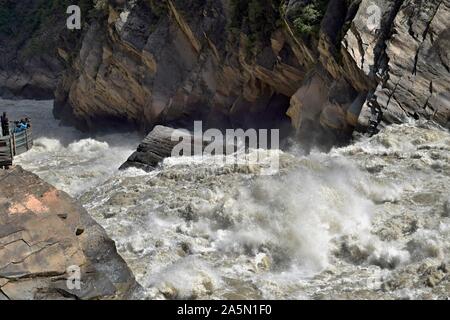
x,y
309,17
36,26
7,16
259,18
159,8
256,18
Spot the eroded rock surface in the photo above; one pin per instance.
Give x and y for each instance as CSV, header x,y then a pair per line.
x,y
408,57
168,62
45,236
157,146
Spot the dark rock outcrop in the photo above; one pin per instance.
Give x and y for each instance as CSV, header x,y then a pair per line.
x,y
235,63
180,60
35,46
43,234
158,145
249,63
446,211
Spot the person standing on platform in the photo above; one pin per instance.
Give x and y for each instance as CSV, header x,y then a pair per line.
x,y
5,124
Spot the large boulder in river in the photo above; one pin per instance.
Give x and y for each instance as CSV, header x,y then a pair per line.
x,y
46,239
157,146
446,212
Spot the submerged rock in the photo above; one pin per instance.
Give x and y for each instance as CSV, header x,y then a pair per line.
x,y
47,239
446,212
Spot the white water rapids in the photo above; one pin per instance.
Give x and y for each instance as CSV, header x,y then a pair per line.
x,y
367,221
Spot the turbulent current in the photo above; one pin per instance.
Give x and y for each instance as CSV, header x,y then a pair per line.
x,y
366,221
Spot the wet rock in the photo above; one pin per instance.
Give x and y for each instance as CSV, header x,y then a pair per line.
x,y
38,248
397,282
122,199
434,279
399,226
188,213
375,168
444,267
157,146
262,262
169,291
424,248
108,214
432,274
241,290
351,251
446,212
186,248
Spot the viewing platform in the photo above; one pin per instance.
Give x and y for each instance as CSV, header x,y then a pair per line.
x,y
14,142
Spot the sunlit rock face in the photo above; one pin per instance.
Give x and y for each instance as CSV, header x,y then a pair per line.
x,y
149,62
405,55
47,240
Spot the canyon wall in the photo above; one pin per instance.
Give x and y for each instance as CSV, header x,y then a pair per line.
x,y
33,42
315,68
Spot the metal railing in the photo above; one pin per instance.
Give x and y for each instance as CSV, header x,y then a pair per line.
x,y
13,145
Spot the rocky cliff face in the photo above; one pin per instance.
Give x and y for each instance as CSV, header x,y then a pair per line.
x,y
408,58
322,68
35,46
44,234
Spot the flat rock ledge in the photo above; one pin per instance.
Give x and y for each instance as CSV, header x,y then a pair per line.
x,y
47,240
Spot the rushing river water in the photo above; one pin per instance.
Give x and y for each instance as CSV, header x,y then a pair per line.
x,y
367,221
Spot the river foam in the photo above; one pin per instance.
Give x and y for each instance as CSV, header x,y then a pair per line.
x,y
65,157
366,221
